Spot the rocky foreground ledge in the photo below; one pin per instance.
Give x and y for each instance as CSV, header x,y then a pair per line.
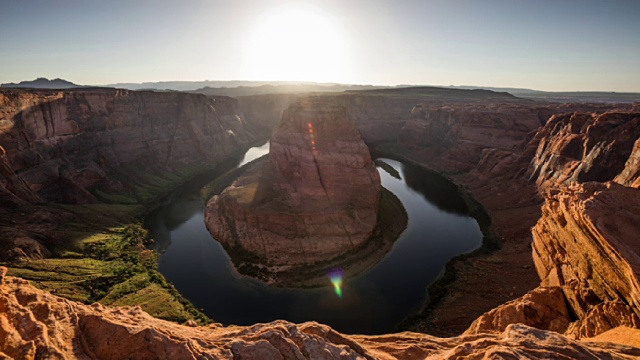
x,y
35,324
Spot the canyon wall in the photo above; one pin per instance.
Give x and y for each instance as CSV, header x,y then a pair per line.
x,y
101,145
377,114
492,149
63,145
315,199
582,147
57,145
37,325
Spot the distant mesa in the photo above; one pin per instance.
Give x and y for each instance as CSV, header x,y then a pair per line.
x,y
42,83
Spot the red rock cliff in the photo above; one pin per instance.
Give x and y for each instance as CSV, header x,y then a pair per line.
x,y
586,242
588,147
69,146
377,114
58,144
487,147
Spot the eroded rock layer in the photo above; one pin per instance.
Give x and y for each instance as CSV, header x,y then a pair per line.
x,y
56,145
37,325
100,145
489,148
588,147
587,242
316,197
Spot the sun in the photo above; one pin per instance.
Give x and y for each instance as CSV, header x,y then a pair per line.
x,y
295,43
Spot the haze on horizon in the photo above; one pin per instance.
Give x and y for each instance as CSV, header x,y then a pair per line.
x,y
544,45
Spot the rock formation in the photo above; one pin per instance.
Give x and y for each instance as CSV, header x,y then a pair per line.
x,y
315,199
586,242
542,308
587,147
62,143
36,325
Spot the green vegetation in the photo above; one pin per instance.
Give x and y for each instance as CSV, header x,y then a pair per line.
x,y
114,268
103,253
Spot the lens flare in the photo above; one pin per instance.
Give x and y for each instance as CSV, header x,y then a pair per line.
x,y
312,134
336,280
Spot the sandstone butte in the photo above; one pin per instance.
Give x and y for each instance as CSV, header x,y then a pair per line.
x,y
583,161
316,198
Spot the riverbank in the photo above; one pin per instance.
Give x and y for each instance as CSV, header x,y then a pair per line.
x,y
501,270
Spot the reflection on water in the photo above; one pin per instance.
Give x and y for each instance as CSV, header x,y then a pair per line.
x,y
372,302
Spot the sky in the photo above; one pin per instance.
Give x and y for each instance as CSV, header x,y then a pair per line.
x,y
555,45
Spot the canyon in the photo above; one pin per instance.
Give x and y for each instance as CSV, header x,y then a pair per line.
x,y
577,296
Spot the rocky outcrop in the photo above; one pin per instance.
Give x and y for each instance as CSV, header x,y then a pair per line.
x,y
602,318
586,242
315,199
35,325
586,147
542,308
58,145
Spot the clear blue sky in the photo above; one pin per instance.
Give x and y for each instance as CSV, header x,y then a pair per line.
x,y
541,44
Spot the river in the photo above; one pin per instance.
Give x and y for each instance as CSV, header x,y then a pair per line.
x,y
373,302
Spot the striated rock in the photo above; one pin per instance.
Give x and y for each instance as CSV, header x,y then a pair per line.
x,y
57,145
35,324
543,308
80,146
315,199
630,175
586,242
603,317
487,147
452,137
587,147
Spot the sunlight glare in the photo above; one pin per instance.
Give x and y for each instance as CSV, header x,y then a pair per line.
x,y
294,43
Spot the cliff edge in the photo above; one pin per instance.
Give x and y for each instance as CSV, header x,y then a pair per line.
x,y
35,325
